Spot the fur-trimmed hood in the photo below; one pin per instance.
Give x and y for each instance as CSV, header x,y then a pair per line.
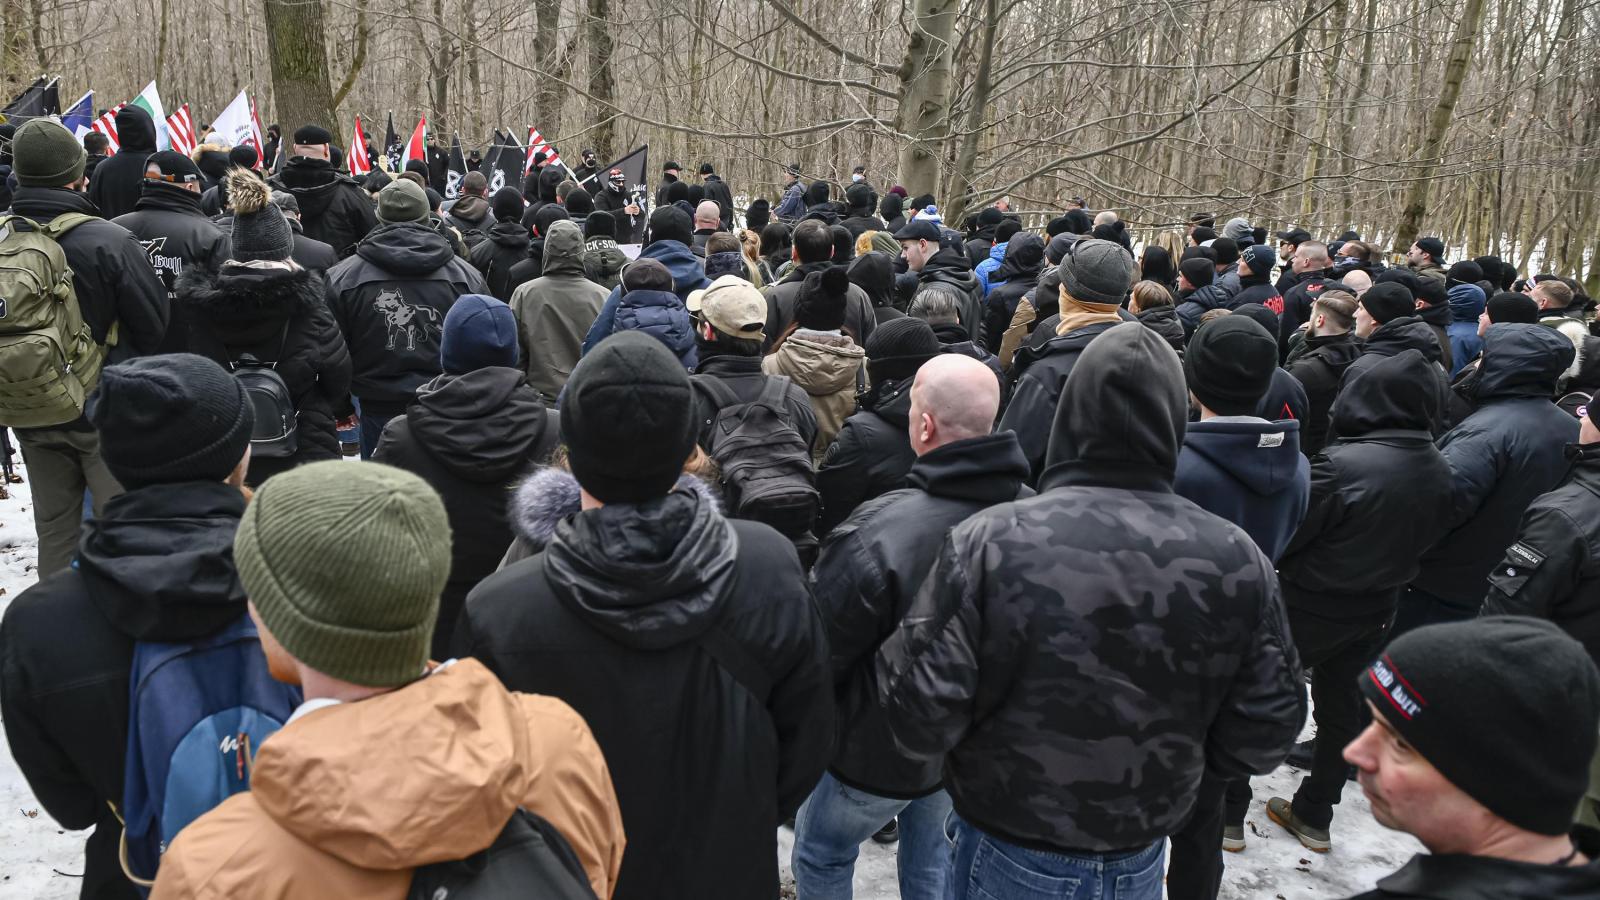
x,y
249,294
551,494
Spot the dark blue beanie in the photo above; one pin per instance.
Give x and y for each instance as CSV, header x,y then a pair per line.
x,y
479,332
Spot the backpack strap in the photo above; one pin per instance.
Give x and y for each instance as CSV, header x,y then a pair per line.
x,y
736,661
58,227
775,392
720,393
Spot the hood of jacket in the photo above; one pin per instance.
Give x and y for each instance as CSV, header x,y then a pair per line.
x,y
649,575
247,295
1466,302
512,235
1024,258
471,208
169,198
1522,361
1405,333
687,272
1437,315
889,401
551,494
406,249
874,274
823,364
1122,414
1263,456
314,183
550,178
159,560
991,469
136,130
563,250
367,803
482,426
950,265
1400,392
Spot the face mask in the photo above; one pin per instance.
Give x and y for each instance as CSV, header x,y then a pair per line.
x,y
857,177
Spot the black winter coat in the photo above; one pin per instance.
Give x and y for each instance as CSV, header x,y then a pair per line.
x,y
333,208
1198,302
1319,370
1380,496
1015,277
743,376
1297,302
866,577
1041,374
1503,456
689,644
954,340
176,237
1552,570
390,300
950,271
505,246
1163,320
870,456
781,298
119,181
1455,875
718,190
111,274
156,565
471,437
1257,289
311,253
1179,666
279,317
1394,337
1437,318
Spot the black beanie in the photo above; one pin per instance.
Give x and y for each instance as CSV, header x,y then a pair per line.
x,y
1199,270
243,156
898,348
1505,707
170,418
627,419
1227,250
507,205
310,135
668,223
817,193
1508,306
600,224
821,304
1388,301
1228,365
758,215
579,204
548,215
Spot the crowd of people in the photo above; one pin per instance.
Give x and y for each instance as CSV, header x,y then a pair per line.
x,y
1016,547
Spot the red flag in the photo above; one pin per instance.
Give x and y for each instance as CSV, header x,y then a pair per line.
x,y
257,134
416,148
357,157
107,125
536,144
181,129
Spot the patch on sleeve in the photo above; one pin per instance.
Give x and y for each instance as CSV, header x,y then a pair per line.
x,y
1525,556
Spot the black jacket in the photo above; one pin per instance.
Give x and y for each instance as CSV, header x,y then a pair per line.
x,y
333,208
471,437
1257,289
311,253
1163,320
118,182
862,223
1460,877
743,376
640,616
1201,300
871,454
1297,302
1503,456
1171,649
1041,375
1380,496
1394,337
718,190
176,237
865,578
1319,370
1016,276
1552,570
1437,318
111,274
157,565
277,317
954,340
781,298
504,247
390,300
950,272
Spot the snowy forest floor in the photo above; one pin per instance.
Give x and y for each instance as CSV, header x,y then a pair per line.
x,y
39,861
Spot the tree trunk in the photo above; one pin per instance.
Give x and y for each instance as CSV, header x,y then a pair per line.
x,y
602,85
359,60
1455,71
161,38
924,111
982,87
547,91
297,46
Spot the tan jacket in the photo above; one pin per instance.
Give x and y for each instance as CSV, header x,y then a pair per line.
x,y
346,800
829,368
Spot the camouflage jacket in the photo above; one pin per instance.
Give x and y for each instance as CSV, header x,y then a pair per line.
x,y
1080,658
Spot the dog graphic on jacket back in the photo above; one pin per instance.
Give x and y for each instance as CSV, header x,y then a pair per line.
x,y
407,322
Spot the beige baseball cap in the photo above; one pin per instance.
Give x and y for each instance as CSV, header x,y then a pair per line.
x,y
732,305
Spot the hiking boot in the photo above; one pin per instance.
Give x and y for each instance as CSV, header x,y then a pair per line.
x,y
1233,838
888,834
1315,839
1302,754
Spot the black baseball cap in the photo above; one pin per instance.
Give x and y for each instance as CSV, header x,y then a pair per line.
x,y
919,230
1296,236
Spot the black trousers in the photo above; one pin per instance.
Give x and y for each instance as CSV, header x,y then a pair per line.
x,y
1194,867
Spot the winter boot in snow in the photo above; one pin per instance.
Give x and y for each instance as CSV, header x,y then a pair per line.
x,y
1300,757
1233,838
889,833
1315,839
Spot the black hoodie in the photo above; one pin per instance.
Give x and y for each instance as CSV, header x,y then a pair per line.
x,y
1017,274
333,208
472,437
871,454
874,273
951,272
156,565
119,180
1319,370
1394,337
689,644
505,246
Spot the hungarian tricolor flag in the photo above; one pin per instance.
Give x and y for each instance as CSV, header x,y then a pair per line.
x,y
417,147
357,157
181,129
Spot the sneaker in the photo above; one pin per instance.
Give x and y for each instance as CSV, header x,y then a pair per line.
x,y
349,448
888,834
1315,839
1302,754
1233,838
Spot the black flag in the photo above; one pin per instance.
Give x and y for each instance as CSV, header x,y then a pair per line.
x,y
634,168
455,168
510,162
41,99
392,148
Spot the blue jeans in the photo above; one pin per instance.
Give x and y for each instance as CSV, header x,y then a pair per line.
x,y
836,818
373,417
987,868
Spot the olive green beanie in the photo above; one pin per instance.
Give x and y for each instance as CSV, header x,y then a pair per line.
x,y
44,154
345,563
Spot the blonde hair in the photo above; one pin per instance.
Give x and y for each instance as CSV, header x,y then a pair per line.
x,y
1170,241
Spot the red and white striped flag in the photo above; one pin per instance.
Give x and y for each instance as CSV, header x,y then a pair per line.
x,y
107,125
181,130
357,157
536,144
417,147
259,136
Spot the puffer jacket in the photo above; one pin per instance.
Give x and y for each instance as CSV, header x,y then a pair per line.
x,y
1392,338
505,245
390,300
1250,472
688,274
119,181
1016,275
554,311
1179,666
661,315
1380,496
1503,456
372,820
988,264
704,624
1319,370
333,208
1163,320
1198,302
871,455
829,367
280,317
471,437
865,578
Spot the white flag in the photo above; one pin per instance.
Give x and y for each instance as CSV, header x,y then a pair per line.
x,y
150,101
235,125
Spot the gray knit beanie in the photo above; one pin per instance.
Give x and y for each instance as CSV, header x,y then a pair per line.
x,y
260,232
1095,271
345,564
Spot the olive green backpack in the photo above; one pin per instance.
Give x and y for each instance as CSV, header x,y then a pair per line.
x,y
49,361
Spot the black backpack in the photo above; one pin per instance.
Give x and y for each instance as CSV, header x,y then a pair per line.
x,y
530,858
276,432
765,463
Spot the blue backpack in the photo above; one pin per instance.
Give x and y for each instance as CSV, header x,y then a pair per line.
x,y
197,711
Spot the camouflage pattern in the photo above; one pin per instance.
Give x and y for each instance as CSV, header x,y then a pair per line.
x,y
1081,657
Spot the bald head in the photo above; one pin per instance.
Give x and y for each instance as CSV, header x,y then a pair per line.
x,y
707,214
953,398
1357,281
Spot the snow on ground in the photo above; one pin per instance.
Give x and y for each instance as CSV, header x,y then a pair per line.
x,y
39,861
